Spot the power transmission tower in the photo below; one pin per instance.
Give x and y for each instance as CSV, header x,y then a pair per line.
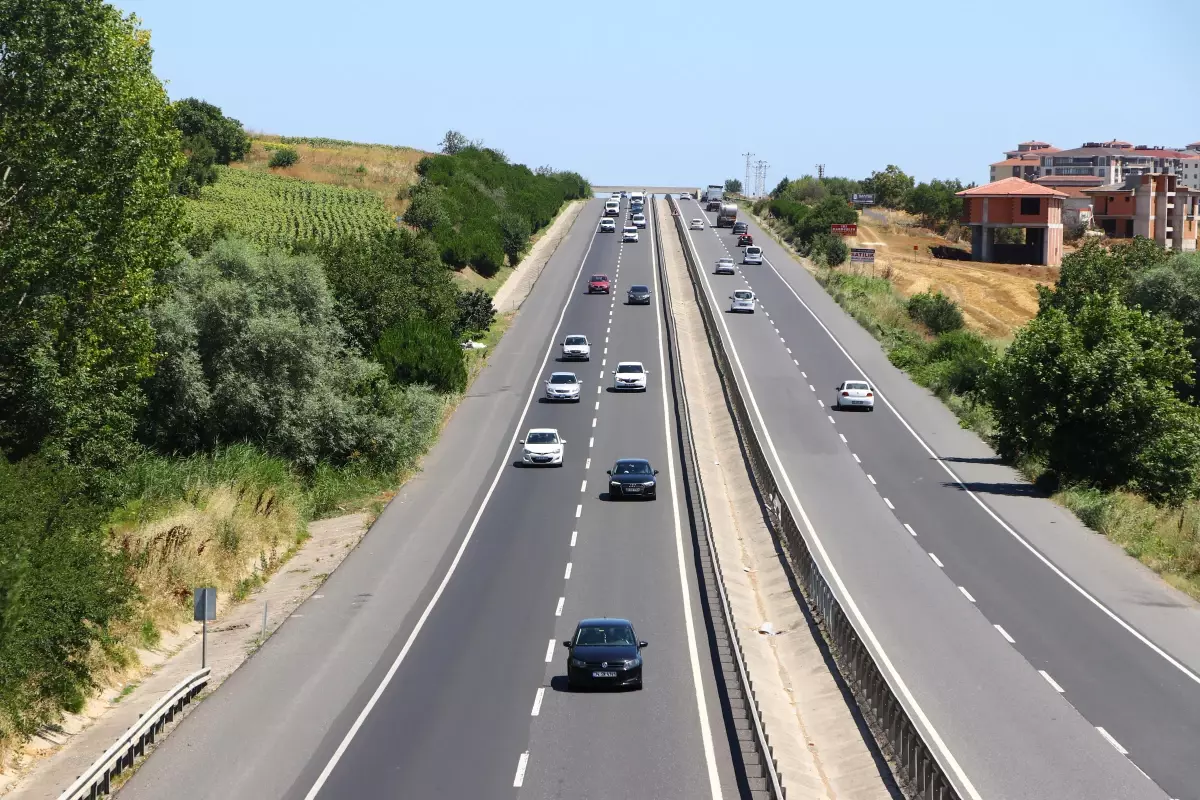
x,y
760,177
746,185
820,172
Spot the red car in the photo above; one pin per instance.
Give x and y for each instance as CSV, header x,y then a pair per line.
x,y
745,240
598,283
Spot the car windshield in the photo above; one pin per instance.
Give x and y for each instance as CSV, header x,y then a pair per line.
x,y
859,386
563,377
630,229
639,216
599,278
542,437
640,289
632,468
635,368
743,295
602,635
576,340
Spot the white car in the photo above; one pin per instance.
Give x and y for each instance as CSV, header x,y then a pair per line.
x,y
543,447
563,386
742,300
752,255
608,225
725,267
612,208
629,234
576,348
696,225
854,394
615,195
684,196
639,220
630,375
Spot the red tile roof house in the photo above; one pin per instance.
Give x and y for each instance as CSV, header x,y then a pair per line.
x,y
1015,203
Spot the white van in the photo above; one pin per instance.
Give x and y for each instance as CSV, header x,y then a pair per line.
x,y
612,208
637,197
752,255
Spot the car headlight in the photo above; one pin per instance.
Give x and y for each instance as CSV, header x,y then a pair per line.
x,y
648,483
633,662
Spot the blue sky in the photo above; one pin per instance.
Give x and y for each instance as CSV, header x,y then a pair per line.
x,y
669,92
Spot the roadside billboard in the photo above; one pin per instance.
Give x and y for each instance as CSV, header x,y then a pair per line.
x,y
844,229
863,199
862,255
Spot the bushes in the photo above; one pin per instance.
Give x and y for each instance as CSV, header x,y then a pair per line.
x,y
935,311
475,312
828,250
283,157
417,352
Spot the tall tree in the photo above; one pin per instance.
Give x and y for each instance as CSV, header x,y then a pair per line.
x,y
454,142
889,186
733,186
88,144
226,135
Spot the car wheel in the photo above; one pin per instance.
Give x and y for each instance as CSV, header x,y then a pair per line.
x,y
870,408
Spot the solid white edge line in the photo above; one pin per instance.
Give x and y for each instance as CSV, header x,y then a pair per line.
x,y
714,779
936,560
522,763
967,595
885,661
1053,683
537,701
1113,742
420,624
1194,677
1004,633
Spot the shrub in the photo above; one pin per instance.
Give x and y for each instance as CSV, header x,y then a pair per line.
x,y
935,311
475,312
416,352
283,157
834,249
968,357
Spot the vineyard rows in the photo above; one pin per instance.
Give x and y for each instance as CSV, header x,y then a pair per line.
x,y
279,211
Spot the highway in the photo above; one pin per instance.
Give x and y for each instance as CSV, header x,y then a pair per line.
x,y
1035,685
430,664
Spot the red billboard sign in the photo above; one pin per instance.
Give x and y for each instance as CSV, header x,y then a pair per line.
x,y
844,229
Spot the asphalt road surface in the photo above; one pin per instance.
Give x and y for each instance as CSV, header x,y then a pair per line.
x,y
431,664
1036,687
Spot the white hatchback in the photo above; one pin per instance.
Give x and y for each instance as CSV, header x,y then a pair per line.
x,y
696,225
854,394
742,301
543,447
629,234
725,267
630,375
752,255
576,348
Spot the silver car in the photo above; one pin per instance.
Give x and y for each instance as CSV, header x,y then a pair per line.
x,y
639,220
563,386
742,301
725,267
608,225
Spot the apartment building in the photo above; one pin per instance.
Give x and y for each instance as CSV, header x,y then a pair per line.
x,y
1158,206
1025,162
1110,162
1015,203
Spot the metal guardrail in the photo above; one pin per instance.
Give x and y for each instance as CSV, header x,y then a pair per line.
x,y
759,767
876,698
97,781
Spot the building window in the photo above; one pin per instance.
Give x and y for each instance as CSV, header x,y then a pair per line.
x,y
1031,206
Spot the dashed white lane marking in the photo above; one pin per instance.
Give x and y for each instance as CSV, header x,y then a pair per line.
x,y
1004,633
789,350
537,702
601,374
606,351
522,763
608,330
578,510
592,442
603,362
593,422
938,561
782,339
831,419
597,405
558,609
794,361
856,458
842,436
597,390
908,528
550,651
566,577
803,374
587,464
583,487
967,595
820,402
871,478
811,388
889,504
574,536
606,340
1113,741
1053,683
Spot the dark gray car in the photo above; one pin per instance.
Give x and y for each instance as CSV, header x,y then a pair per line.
x,y
639,294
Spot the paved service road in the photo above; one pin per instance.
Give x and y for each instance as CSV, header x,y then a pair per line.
x,y
464,694
965,612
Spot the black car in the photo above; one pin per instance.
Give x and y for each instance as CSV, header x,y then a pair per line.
x,y
604,652
638,294
739,228
632,477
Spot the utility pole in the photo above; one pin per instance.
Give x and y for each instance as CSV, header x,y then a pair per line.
x,y
820,172
746,186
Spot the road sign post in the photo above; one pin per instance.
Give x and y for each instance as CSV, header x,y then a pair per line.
x,y
204,608
844,229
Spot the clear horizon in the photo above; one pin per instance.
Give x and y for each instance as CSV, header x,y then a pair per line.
x,y
672,94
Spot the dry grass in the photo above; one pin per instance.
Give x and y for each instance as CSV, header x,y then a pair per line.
x,y
382,169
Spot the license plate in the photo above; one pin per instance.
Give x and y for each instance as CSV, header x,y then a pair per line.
x,y
633,489
604,674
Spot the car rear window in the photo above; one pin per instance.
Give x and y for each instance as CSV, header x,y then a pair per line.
x,y
639,289
753,251
626,368
599,277
542,438
563,377
576,340
725,261
743,295
859,386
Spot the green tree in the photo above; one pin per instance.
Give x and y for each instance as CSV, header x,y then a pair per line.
x,y
1173,289
416,352
475,312
453,143
426,209
199,170
935,311
89,144
1096,269
515,231
228,138
889,186
936,202
780,187
1091,396
733,186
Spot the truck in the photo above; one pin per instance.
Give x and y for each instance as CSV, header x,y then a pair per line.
x,y
726,215
712,197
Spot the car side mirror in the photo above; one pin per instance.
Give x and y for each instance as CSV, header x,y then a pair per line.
x,y
655,472
562,441
567,643
609,471
643,644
